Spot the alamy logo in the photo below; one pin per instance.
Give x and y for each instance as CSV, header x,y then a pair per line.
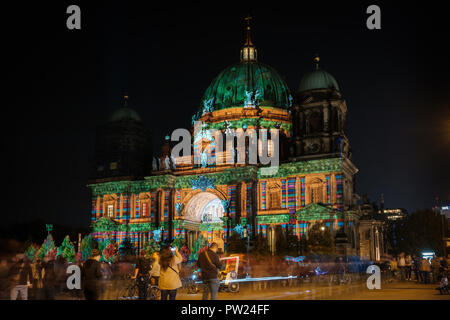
x,y
74,20
374,281
74,280
374,20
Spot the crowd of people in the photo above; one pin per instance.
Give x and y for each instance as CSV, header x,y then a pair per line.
x,y
22,279
46,280
423,270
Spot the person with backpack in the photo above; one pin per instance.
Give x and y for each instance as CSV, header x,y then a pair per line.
x,y
209,263
20,277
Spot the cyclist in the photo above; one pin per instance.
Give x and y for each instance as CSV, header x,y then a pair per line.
x,y
142,276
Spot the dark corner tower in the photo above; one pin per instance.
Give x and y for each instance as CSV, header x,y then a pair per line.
x,y
318,125
123,146
319,118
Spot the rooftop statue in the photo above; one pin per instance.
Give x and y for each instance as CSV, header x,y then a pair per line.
x,y
208,105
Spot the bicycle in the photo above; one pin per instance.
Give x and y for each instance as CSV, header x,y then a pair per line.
x,y
129,292
153,292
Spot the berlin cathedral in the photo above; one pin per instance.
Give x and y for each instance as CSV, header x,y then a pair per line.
x,y
144,194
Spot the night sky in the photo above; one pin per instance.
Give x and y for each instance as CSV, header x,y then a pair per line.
x,y
61,83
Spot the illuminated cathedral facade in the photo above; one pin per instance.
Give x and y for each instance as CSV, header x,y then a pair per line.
x,y
143,196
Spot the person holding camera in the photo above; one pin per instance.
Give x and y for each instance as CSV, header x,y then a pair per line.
x,y
169,278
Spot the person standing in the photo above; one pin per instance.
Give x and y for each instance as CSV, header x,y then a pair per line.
x,y
393,267
401,265
20,276
36,268
169,280
142,275
91,276
209,263
408,266
156,268
435,265
48,278
425,269
416,265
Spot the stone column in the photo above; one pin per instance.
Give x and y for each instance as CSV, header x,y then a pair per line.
x,y
171,214
255,207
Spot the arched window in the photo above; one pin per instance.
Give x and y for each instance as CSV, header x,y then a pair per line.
x,y
316,187
275,199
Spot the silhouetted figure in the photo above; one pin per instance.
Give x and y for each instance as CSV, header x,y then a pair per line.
x,y
91,276
20,276
49,278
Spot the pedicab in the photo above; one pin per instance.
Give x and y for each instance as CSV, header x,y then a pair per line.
x,y
231,272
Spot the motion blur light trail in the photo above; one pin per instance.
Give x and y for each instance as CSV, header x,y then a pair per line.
x,y
255,279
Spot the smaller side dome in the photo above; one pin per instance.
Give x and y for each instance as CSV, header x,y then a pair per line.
x,y
124,113
317,79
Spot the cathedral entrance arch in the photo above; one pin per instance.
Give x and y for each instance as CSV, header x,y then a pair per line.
x,y
204,208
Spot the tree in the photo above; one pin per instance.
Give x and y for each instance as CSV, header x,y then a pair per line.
x,y
200,245
151,247
47,249
31,252
86,247
178,242
110,252
320,240
67,250
420,231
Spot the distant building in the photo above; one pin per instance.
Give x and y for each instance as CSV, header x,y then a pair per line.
x,y
394,214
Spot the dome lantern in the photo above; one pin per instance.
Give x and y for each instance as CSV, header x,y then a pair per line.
x,y
248,51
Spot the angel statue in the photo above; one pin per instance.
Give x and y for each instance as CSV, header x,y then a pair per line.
x,y
208,105
167,162
248,99
258,95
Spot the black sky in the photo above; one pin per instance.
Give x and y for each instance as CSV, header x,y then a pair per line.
x,y
61,83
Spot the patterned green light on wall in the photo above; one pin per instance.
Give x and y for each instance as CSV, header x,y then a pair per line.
x,y
273,218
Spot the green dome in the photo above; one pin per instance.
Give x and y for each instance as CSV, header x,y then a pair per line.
x,y
124,113
318,79
232,87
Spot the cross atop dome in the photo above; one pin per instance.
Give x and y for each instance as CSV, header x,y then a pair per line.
x,y
248,51
248,40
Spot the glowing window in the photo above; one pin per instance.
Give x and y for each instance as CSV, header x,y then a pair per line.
x,y
144,209
110,211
